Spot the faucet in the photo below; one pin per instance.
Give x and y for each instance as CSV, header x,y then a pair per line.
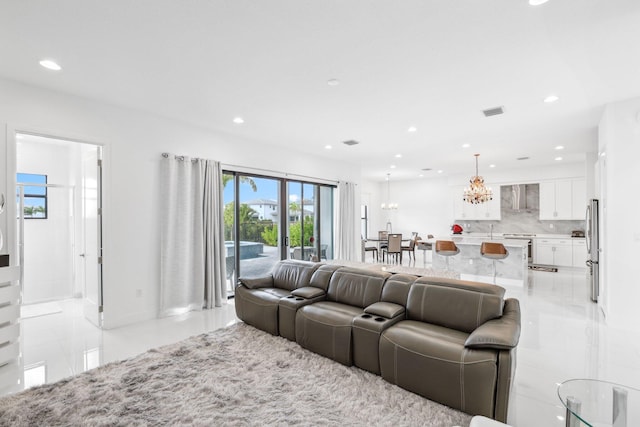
x,y
490,231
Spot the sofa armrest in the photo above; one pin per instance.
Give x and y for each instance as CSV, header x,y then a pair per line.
x,y
499,334
257,282
307,292
385,309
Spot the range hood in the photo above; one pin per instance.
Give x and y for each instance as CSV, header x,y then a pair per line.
x,y
519,197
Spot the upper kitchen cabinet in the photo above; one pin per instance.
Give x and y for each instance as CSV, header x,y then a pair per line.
x,y
483,211
563,199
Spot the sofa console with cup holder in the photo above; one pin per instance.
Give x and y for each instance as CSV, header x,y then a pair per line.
x,y
451,341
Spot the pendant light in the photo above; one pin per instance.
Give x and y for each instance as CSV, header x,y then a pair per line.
x,y
477,192
389,205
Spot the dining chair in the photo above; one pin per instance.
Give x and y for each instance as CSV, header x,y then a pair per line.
x,y
394,247
383,237
373,249
411,247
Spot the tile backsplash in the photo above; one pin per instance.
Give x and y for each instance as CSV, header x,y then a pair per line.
x,y
524,220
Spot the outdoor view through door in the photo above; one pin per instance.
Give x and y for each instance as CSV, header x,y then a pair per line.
x,y
257,235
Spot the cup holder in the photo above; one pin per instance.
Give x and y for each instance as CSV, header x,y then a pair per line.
x,y
379,319
299,299
366,316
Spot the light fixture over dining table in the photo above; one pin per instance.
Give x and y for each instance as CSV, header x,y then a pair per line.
x,y
477,192
389,205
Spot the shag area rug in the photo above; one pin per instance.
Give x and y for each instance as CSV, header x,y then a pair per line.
x,y
233,376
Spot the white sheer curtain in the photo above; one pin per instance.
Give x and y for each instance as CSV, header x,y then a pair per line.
x,y
191,241
348,244
215,281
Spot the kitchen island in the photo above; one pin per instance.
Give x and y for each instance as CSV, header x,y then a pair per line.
x,y
469,261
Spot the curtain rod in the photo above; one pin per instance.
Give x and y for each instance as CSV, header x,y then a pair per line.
x,y
239,168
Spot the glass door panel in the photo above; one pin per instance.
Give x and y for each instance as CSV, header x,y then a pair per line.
x,y
325,221
253,238
229,184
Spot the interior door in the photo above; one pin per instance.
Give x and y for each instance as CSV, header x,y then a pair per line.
x,y
91,253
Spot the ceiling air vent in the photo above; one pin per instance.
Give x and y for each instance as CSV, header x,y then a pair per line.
x,y
493,111
427,169
351,142
522,158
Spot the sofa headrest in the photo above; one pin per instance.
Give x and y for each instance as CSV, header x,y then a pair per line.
x,y
356,287
396,288
486,288
462,307
322,276
292,274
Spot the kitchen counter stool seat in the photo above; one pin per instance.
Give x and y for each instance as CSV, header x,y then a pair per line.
x,y
447,249
493,251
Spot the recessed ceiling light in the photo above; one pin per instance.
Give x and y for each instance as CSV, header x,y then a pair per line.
x,y
333,82
466,145
50,65
392,166
398,156
238,120
420,176
559,147
328,147
558,158
440,171
551,98
412,129
492,166
537,2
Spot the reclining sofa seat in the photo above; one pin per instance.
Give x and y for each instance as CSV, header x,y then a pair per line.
x,y
257,299
377,317
456,347
325,327
289,305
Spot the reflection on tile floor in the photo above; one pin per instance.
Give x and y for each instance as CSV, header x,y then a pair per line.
x,y
563,336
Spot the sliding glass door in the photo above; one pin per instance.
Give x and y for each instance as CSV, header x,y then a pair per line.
x,y
257,236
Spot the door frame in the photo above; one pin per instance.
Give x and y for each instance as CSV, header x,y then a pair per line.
x,y
11,151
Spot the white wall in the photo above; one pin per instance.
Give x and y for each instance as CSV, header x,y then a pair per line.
x,y
619,141
133,143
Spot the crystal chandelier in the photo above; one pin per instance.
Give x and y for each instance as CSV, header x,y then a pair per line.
x,y
477,192
389,205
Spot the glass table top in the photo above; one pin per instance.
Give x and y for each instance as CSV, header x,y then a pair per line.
x,y
600,403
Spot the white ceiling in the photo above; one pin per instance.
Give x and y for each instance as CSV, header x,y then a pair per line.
x,y
432,64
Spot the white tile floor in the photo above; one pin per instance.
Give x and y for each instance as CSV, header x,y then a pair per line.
x,y
563,337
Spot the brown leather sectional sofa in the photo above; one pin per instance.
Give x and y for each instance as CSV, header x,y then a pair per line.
x,y
451,341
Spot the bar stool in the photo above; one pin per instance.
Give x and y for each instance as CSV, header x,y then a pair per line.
x,y
446,248
495,252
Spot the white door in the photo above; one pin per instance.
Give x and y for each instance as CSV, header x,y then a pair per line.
x,y
91,255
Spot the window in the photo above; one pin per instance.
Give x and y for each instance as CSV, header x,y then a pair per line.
x,y
35,195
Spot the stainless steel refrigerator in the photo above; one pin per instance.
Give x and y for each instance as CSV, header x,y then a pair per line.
x,y
593,247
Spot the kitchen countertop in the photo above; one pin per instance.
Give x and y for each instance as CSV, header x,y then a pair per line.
x,y
477,240
500,236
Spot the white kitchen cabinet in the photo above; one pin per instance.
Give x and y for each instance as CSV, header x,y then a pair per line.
x,y
580,254
563,199
579,198
483,211
558,252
